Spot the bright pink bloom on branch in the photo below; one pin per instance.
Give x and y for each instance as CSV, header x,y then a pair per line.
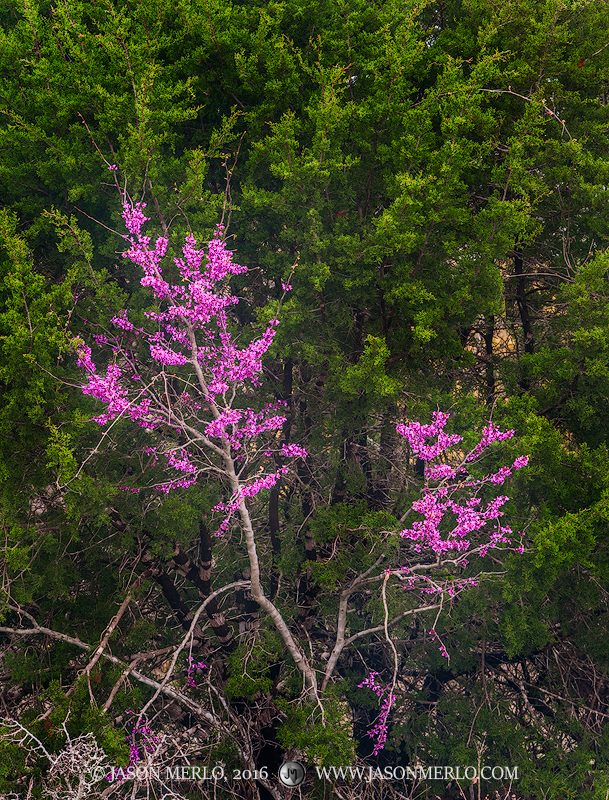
x,y
451,519
191,328
448,524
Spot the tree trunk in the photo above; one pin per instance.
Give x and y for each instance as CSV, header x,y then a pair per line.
x,y
201,578
525,317
489,334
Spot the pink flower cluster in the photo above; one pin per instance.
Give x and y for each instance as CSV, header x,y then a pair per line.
x,y
247,490
192,328
489,435
150,740
447,522
451,514
193,304
110,391
442,649
121,321
451,509
293,450
192,667
183,464
226,425
417,436
379,730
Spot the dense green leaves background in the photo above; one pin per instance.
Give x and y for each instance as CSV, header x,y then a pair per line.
x,y
434,178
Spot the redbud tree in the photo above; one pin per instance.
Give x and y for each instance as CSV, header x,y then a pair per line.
x,y
191,330
190,342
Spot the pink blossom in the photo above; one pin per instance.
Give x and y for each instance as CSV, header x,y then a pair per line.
x,y
379,730
134,217
457,518
192,666
217,427
417,436
489,435
121,321
293,450
183,464
267,482
84,355
196,308
167,357
499,477
440,472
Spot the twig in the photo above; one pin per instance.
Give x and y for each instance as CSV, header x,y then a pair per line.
x,y
387,637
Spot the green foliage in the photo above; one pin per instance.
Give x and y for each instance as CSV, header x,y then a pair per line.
x,y
248,668
368,376
79,717
31,342
61,455
12,762
357,534
325,743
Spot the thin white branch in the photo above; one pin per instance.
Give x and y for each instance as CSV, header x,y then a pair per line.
x,y
185,640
